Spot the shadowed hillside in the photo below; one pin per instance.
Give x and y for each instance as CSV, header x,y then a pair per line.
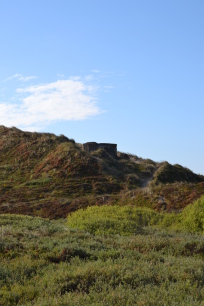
x,y
49,176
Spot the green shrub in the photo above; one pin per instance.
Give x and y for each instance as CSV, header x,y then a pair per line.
x,y
170,220
127,220
105,219
190,220
193,216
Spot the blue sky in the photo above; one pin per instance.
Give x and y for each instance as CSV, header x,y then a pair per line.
x,y
127,72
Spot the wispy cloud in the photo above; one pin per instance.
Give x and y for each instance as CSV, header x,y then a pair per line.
x,y
44,104
20,77
96,71
108,88
60,75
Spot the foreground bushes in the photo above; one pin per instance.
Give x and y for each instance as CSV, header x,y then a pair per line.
x,y
44,262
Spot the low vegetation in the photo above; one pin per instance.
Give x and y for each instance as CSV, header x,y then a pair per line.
x,y
105,255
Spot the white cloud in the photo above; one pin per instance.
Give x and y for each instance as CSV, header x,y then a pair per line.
x,y
44,104
20,77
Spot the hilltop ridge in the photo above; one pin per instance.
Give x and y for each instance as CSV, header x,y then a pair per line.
x,y
47,175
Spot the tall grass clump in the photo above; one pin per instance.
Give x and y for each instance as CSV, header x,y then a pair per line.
x,y
105,219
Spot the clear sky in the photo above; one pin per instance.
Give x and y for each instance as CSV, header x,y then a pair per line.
x,y
129,72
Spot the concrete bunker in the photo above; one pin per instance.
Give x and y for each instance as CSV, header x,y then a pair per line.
x,y
110,148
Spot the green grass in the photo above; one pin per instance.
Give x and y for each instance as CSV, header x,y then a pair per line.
x,y
132,261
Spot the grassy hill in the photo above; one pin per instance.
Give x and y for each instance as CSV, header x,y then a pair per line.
x,y
45,175
123,250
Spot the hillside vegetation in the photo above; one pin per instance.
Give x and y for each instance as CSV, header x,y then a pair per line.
x,y
118,245
45,175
